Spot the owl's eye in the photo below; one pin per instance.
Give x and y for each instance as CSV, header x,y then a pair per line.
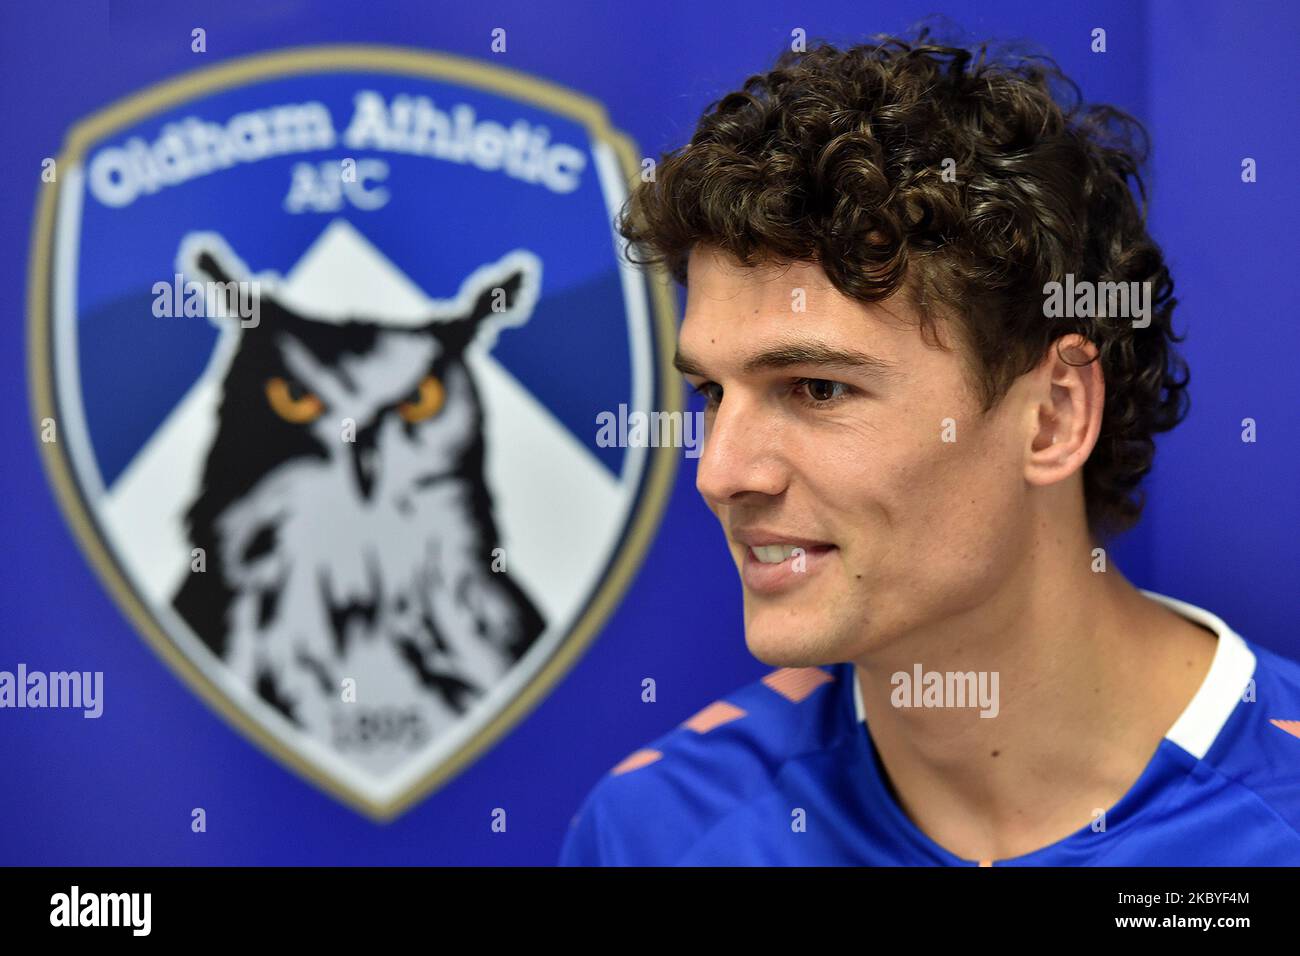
x,y
291,402
425,402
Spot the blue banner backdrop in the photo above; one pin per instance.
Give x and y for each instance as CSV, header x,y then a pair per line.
x,y
1221,514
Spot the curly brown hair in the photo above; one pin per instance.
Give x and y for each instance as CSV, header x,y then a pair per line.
x,y
837,156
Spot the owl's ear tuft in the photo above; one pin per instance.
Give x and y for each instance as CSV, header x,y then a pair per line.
x,y
231,290
207,257
494,296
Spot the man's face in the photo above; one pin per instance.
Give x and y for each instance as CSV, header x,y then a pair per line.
x,y
825,432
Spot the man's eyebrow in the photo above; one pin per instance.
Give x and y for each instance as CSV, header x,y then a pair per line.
x,y
798,353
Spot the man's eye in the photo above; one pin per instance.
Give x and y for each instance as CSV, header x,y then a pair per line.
x,y
822,391
711,391
815,392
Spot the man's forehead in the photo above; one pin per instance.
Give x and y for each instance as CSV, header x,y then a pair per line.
x,y
776,315
716,276
722,289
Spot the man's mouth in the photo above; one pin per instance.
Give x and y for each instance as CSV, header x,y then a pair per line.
x,y
775,546
775,562
776,553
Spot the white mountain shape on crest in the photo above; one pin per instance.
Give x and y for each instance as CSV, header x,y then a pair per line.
x,y
342,275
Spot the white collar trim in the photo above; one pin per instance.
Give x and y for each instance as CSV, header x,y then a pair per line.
x,y
1230,672
1198,726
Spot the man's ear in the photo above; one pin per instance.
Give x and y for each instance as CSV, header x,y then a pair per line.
x,y
1069,395
495,296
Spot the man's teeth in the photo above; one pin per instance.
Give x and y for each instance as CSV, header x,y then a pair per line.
x,y
773,553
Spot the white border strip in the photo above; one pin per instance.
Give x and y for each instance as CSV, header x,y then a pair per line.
x,y
67,382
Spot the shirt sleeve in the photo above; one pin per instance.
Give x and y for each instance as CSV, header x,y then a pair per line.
x,y
583,843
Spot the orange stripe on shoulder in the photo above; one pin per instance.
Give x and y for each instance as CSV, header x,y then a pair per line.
x,y
715,715
636,761
1292,727
796,683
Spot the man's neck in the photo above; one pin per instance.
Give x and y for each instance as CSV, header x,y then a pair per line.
x,y
1091,675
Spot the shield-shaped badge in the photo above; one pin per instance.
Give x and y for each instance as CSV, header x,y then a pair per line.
x,y
324,336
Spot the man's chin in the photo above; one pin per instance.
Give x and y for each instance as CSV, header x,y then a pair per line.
x,y
780,640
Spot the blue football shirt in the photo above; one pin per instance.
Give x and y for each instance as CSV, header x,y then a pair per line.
x,y
725,788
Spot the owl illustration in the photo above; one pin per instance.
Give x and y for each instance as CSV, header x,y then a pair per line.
x,y
353,576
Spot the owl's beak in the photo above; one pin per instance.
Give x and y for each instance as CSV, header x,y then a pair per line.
x,y
365,460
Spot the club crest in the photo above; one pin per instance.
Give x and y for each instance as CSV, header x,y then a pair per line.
x,y
318,344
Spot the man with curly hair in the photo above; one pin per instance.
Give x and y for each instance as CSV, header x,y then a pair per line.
x,y
934,340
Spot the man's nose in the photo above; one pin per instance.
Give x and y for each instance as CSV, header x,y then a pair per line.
x,y
742,453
